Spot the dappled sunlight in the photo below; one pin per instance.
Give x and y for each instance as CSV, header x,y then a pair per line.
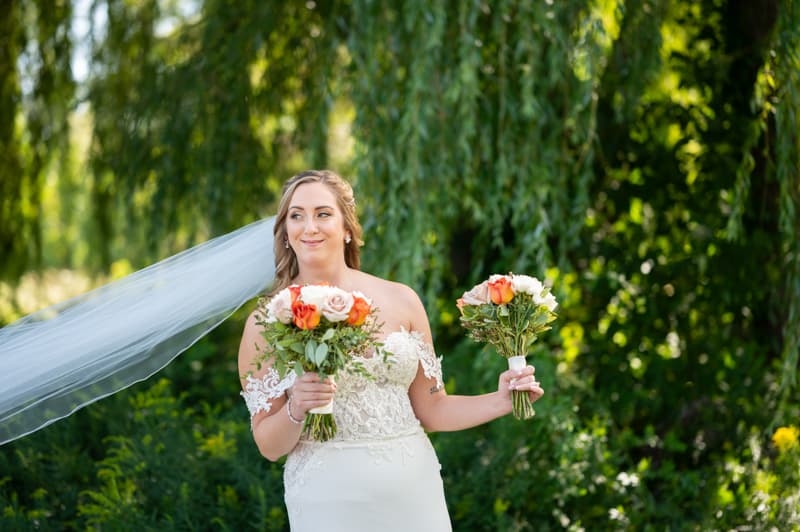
x,y
37,291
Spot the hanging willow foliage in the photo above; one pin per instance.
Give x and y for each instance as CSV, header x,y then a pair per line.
x,y
787,170
35,38
477,126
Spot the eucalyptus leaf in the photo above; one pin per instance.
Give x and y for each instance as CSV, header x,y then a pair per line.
x,y
321,353
310,352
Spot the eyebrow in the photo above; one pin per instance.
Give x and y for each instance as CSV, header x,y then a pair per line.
x,y
315,208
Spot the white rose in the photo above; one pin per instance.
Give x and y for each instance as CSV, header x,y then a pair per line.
x,y
336,307
527,285
495,277
550,302
279,307
315,294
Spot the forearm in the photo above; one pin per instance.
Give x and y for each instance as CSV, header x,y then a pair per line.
x,y
276,435
446,413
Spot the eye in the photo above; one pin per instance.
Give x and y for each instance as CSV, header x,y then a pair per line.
x,y
325,214
294,216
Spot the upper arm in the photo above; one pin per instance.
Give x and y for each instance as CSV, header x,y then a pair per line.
x,y
263,389
426,388
251,345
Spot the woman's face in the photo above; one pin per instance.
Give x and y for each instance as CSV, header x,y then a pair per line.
x,y
315,225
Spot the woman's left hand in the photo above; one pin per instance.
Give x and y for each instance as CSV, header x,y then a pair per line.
x,y
523,380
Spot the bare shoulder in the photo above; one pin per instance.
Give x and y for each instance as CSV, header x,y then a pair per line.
x,y
381,288
399,304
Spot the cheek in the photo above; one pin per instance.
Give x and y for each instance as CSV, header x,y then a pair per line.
x,y
292,226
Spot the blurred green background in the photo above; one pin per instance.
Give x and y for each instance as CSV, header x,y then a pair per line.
x,y
641,155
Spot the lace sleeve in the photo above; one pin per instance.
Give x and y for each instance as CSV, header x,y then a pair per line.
x,y
431,364
259,393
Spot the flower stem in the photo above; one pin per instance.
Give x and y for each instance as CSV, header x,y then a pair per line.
x,y
522,407
320,427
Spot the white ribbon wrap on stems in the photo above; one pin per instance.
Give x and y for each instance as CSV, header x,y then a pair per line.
x,y
64,357
517,362
325,409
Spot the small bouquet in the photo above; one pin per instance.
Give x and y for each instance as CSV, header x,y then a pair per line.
x,y
509,312
316,328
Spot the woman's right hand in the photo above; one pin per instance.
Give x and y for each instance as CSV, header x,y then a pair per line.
x,y
309,392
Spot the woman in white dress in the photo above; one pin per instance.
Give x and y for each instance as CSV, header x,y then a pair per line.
x,y
380,471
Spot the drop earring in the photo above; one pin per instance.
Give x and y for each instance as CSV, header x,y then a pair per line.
x,y
347,239
286,243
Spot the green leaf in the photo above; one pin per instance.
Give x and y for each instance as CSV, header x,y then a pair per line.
x,y
311,348
328,335
321,353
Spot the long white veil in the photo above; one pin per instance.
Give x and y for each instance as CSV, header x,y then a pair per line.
x,y
64,357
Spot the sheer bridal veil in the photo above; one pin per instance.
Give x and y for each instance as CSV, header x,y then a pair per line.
x,y
64,357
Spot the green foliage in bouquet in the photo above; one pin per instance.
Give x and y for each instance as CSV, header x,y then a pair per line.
x,y
317,328
314,350
525,320
509,312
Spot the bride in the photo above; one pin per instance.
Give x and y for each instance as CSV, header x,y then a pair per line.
x,y
380,471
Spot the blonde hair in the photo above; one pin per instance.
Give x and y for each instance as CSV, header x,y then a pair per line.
x,y
286,267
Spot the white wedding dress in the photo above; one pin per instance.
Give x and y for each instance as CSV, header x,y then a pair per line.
x,y
380,472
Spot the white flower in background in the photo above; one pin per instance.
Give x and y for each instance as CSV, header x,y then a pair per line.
x,y
628,479
617,514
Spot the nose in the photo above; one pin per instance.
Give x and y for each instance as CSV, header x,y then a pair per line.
x,y
311,226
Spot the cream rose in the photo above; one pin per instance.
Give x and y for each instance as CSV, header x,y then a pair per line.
x,y
279,307
336,306
478,295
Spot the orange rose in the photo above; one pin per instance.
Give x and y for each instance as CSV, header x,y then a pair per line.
x,y
295,291
359,311
500,291
305,316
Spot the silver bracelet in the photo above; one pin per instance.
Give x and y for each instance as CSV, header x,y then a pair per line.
x,y
289,412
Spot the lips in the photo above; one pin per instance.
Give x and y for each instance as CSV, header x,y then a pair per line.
x,y
312,242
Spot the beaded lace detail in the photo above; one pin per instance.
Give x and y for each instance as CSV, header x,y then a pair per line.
x,y
259,393
371,412
431,365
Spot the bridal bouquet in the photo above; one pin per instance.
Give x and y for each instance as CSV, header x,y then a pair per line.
x,y
509,312
317,328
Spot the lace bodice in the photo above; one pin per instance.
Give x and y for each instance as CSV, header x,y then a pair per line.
x,y
366,408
